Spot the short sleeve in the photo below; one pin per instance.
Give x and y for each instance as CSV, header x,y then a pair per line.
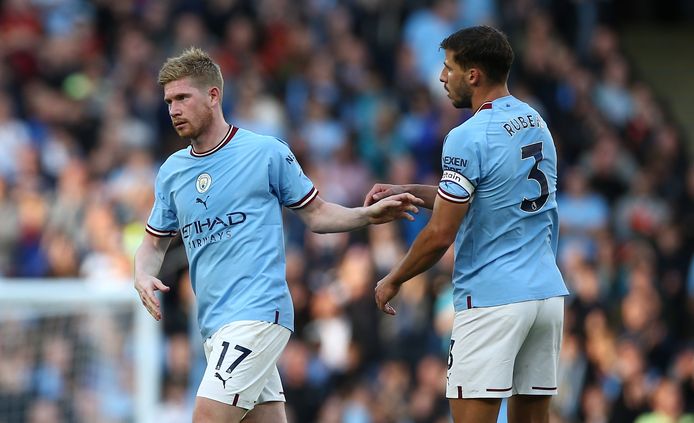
x,y
162,220
294,189
460,162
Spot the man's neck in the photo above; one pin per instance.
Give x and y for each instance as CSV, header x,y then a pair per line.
x,y
484,95
213,136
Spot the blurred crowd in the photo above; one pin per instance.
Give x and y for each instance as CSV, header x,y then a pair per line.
x,y
353,87
58,367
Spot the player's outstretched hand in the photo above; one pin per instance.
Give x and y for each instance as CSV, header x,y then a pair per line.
x,y
397,206
385,291
380,191
145,286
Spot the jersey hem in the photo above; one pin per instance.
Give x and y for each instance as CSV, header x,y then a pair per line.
x,y
464,307
207,334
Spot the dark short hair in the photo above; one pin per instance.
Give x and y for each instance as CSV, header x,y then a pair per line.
x,y
484,47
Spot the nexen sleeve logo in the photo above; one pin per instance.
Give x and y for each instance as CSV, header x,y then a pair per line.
x,y
454,161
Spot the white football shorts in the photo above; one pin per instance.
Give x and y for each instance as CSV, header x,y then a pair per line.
x,y
242,364
506,350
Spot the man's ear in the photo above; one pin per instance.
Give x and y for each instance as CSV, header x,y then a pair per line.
x,y
215,95
474,76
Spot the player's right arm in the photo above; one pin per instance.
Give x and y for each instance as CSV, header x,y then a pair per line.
x,y
326,217
162,225
148,259
379,191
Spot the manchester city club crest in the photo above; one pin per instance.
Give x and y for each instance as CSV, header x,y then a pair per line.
x,y
203,183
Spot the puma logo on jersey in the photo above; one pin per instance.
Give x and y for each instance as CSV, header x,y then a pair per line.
x,y
224,381
201,201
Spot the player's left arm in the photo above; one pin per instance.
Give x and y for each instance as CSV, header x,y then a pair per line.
x,y
428,248
325,217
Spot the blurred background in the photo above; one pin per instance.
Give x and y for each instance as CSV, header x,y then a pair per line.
x,y
353,87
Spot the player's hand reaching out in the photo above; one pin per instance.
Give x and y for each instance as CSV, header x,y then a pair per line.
x,y
380,191
145,286
393,207
385,291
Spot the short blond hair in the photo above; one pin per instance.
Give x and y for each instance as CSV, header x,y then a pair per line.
x,y
194,63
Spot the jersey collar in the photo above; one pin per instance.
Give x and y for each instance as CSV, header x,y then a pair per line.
x,y
484,106
227,137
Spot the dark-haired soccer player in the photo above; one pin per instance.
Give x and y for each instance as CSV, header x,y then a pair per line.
x,y
224,195
496,200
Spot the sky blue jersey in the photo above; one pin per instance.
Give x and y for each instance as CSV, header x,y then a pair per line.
x,y
503,161
227,205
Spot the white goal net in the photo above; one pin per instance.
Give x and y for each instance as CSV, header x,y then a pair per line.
x,y
74,352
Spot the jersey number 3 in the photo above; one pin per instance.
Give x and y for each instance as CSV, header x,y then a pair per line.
x,y
534,204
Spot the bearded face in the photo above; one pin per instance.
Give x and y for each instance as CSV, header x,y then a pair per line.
x,y
454,82
189,108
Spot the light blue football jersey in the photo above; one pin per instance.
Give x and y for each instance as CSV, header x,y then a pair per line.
x,y
503,161
227,205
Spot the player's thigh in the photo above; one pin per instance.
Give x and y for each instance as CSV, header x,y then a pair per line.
x,y
484,344
271,411
475,410
211,411
269,407
537,361
529,408
241,363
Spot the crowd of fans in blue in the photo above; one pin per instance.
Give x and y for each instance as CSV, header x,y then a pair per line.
x,y
353,87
